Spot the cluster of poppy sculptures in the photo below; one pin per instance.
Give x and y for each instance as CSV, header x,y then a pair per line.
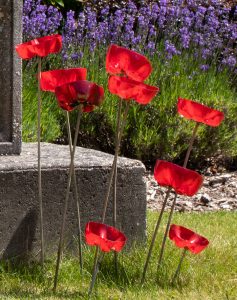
x,y
72,91
128,70
173,176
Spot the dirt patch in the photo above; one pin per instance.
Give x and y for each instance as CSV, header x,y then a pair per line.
x,y
219,192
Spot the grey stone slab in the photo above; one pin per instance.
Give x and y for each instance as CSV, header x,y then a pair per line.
x,y
10,76
19,223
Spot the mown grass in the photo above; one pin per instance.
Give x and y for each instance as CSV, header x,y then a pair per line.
x,y
209,275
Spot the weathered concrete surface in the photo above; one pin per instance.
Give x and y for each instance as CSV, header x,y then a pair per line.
x,y
10,76
19,226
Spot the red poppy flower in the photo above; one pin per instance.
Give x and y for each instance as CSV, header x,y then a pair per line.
x,y
51,79
199,112
186,238
42,46
71,94
182,180
120,60
127,88
104,236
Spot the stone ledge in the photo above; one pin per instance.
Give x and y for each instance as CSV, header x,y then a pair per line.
x,y
53,155
19,203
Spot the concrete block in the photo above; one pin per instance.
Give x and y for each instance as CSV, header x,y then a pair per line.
x,y
10,77
19,222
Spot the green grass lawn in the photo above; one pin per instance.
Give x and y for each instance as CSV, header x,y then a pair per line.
x,y
210,275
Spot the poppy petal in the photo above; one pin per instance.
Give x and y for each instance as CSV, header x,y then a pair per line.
x,y
106,237
120,60
199,112
42,46
186,238
51,79
25,51
182,180
71,94
128,89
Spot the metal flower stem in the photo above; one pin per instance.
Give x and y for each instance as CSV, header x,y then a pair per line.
x,y
76,193
95,271
190,145
117,148
39,165
119,132
60,246
155,235
175,198
115,183
176,274
166,232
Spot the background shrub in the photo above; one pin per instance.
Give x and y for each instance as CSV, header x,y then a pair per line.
x,y
192,47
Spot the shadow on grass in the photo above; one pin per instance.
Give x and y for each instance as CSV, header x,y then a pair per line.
x,y
129,275
31,272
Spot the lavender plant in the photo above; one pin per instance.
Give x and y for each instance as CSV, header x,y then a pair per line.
x,y
208,31
39,19
192,45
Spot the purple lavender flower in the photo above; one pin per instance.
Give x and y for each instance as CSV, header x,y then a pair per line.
x,y
75,56
163,2
170,49
151,47
204,67
70,27
206,53
116,22
155,11
185,37
229,61
129,34
39,20
152,30
204,29
198,38
131,7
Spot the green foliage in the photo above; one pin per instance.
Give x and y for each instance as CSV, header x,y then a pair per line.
x,y
51,118
209,275
65,5
56,2
155,130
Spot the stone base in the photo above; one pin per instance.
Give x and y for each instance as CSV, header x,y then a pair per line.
x,y
19,212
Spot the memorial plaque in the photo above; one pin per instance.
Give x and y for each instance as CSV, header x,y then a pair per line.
x,y
10,77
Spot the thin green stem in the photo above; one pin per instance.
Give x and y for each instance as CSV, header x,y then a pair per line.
x,y
155,235
117,148
176,274
95,269
60,246
76,193
115,182
39,165
115,169
190,145
166,232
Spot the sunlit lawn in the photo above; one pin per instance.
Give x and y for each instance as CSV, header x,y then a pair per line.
x,y
209,275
